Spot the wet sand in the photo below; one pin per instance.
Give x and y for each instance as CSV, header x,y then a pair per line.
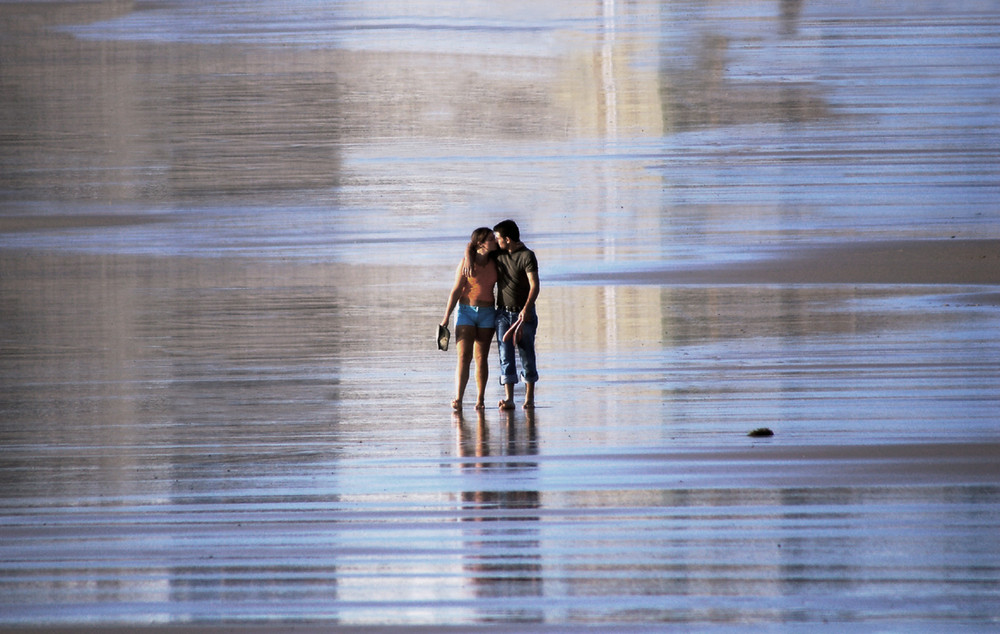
x,y
952,262
223,443
226,238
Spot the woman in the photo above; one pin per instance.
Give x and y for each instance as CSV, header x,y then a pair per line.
x,y
475,323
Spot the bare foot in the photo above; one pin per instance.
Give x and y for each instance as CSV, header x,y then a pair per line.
x,y
456,404
506,404
529,405
480,405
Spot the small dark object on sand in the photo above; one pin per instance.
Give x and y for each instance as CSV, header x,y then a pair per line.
x,y
761,432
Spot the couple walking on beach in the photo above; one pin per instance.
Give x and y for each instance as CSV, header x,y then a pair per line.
x,y
495,257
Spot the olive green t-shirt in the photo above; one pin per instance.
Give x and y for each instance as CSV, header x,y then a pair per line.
x,y
512,277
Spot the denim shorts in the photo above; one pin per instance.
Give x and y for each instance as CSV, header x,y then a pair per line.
x,y
479,316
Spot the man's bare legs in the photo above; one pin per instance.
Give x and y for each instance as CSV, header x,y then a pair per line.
x,y
529,396
465,337
508,400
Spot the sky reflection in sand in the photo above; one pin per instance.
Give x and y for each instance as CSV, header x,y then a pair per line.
x,y
227,231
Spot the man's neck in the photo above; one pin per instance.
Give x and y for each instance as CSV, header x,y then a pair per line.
x,y
516,246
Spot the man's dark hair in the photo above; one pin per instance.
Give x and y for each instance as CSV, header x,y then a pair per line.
x,y
508,229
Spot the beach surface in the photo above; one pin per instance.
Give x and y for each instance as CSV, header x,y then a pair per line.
x,y
227,235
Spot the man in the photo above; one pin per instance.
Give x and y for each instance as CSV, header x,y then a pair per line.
x,y
517,323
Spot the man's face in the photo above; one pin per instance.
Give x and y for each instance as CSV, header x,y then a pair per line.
x,y
502,242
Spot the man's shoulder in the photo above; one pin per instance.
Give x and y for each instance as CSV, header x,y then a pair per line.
x,y
525,257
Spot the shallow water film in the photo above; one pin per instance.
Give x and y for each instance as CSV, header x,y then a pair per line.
x,y
227,235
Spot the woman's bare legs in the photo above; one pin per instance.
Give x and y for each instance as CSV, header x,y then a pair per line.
x,y
484,337
465,337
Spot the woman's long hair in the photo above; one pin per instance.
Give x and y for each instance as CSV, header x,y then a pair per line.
x,y
479,236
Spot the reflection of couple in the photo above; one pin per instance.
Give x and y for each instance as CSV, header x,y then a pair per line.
x,y
496,257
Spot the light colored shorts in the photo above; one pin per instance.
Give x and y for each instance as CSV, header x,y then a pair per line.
x,y
478,316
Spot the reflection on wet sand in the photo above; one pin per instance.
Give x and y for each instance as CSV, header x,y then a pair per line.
x,y
137,121
126,121
226,230
503,547
762,547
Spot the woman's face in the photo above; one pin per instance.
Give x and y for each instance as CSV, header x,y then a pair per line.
x,y
490,243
